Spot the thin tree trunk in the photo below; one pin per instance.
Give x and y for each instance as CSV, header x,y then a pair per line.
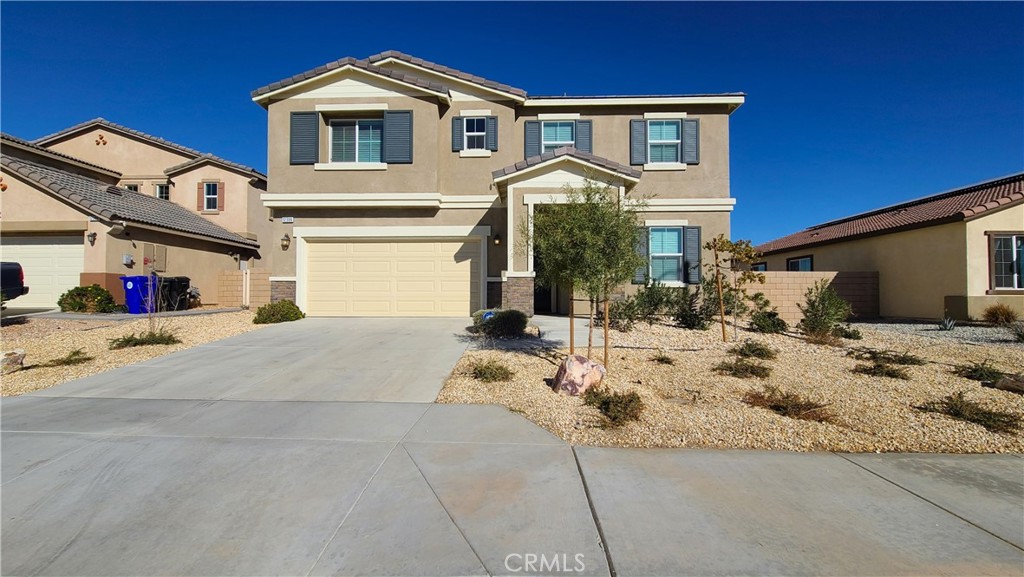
x,y
606,333
590,331
721,298
572,323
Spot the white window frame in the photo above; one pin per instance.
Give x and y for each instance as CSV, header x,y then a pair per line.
x,y
809,258
557,143
1018,280
651,254
356,121
207,186
156,191
678,142
466,133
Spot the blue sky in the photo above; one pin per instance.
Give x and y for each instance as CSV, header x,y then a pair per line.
x,y
850,106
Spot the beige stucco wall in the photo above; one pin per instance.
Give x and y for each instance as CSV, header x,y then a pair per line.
x,y
23,203
235,215
138,162
978,271
917,269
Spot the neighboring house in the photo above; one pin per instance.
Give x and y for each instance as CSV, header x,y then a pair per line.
x,y
69,224
950,254
404,183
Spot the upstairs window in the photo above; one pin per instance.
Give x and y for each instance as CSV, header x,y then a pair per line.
x,y
209,196
357,140
1008,261
163,191
475,133
557,135
800,264
132,187
663,140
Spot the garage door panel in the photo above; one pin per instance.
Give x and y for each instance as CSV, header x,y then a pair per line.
x,y
52,265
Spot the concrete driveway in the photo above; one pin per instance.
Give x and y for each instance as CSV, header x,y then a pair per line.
x,y
271,453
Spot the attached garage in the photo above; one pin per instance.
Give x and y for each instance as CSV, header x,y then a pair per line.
x,y
435,277
52,264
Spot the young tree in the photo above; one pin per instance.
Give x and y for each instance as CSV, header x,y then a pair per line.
x,y
731,258
589,243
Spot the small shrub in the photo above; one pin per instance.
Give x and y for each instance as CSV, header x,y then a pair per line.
x,y
734,299
823,310
507,323
663,359
789,405
278,312
690,313
491,371
75,357
1000,314
767,322
847,332
1017,331
654,301
160,337
963,409
743,369
88,299
478,317
753,349
880,369
947,324
887,357
623,314
979,372
619,408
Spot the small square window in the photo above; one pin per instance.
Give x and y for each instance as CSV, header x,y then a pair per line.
x,y
663,141
557,135
475,133
163,191
210,195
132,187
357,140
800,264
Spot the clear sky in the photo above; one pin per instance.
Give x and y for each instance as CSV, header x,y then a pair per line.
x,y
849,106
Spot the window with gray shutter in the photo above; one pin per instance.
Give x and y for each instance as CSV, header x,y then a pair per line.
x,y
456,134
637,141
691,141
691,255
492,133
304,138
584,136
640,275
532,138
398,137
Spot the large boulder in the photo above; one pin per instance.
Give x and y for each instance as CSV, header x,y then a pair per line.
x,y
13,361
576,375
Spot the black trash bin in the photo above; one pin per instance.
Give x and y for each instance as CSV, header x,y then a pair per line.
x,y
174,292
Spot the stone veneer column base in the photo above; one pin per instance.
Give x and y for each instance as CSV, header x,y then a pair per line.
x,y
517,293
282,290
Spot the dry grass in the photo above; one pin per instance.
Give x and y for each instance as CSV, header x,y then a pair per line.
x,y
787,404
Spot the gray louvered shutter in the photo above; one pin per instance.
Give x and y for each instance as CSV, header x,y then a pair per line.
x,y
457,140
532,138
584,138
691,141
691,255
398,137
492,133
304,138
640,276
638,142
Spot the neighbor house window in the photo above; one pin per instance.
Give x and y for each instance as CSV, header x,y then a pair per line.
x,y
663,139
666,248
356,140
132,187
800,264
557,134
759,267
1008,261
163,191
209,196
475,133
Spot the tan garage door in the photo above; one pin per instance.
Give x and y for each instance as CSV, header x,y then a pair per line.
x,y
52,265
412,278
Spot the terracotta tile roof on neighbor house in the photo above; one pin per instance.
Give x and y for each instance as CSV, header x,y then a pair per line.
x,y
441,69
47,152
569,151
355,63
116,204
951,206
207,157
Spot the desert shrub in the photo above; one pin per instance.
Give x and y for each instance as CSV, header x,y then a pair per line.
x,y
88,299
623,314
961,408
478,317
884,356
787,404
823,310
491,371
847,332
506,323
690,312
663,359
1017,331
947,324
743,369
1000,314
75,357
619,408
979,372
754,349
767,322
278,312
882,369
654,301
734,299
160,337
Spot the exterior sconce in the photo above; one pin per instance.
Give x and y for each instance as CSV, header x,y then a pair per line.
x,y
497,239
92,238
286,241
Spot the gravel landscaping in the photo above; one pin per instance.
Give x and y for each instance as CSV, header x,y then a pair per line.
x,y
45,339
973,334
688,404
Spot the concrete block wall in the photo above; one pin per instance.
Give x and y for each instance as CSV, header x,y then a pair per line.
x,y
229,288
786,289
259,287
231,293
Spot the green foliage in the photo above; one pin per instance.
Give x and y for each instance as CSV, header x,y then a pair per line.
x,y
278,312
947,324
734,299
789,405
882,369
847,332
961,408
160,337
885,356
506,323
654,301
491,371
767,322
623,314
982,371
743,369
619,408
754,349
728,273
1000,314
823,310
88,299
663,359
478,317
691,312
75,357
1017,331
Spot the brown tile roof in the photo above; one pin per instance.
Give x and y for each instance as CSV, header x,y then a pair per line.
x,y
53,153
191,152
216,160
569,151
569,96
355,63
951,206
441,69
113,203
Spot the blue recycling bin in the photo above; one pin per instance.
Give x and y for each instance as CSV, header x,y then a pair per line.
x,y
137,290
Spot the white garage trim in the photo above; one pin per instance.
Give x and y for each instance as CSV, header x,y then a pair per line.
x,y
302,233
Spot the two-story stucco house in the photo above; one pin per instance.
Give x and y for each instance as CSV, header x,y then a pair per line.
x,y
402,183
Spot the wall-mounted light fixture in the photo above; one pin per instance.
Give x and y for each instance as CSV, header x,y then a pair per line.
x,y
286,241
92,238
497,239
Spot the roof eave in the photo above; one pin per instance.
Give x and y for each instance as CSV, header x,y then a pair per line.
x,y
503,178
509,95
64,158
265,98
936,222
